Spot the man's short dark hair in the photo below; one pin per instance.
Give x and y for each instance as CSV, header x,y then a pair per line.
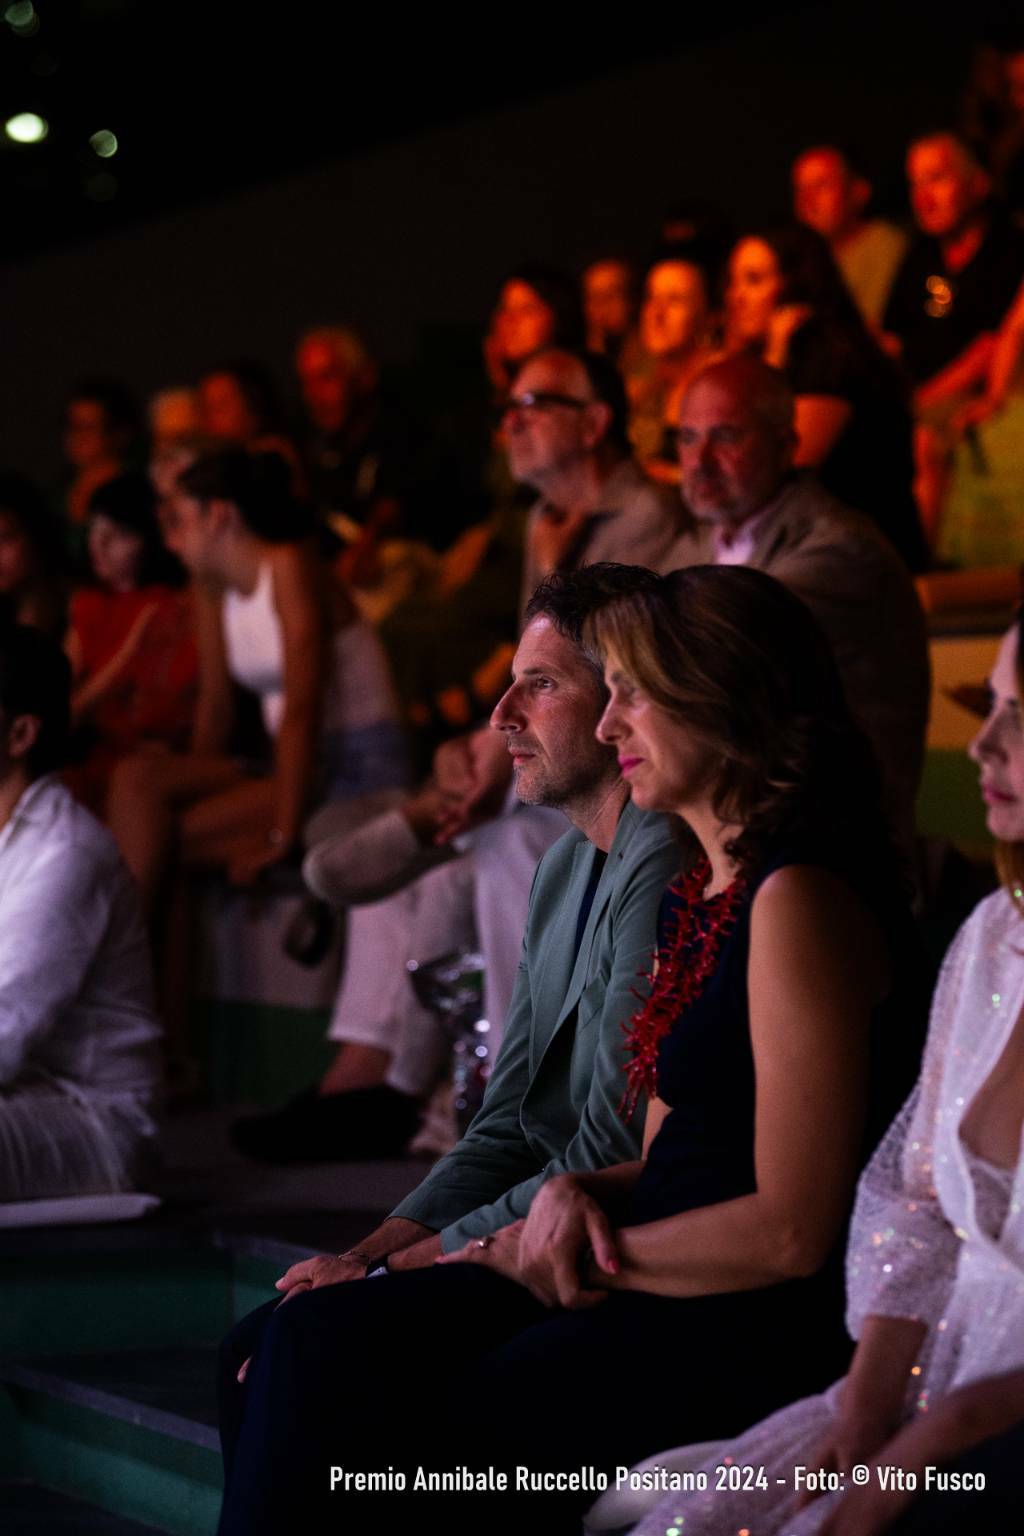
x,y
35,679
570,598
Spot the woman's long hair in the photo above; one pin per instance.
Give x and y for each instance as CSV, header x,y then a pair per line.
x,y
741,663
810,276
259,485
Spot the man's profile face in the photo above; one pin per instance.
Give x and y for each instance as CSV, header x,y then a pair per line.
x,y
326,382
544,436
549,715
945,188
731,461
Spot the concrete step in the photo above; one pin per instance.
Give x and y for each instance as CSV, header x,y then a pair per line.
x,y
133,1433
29,1510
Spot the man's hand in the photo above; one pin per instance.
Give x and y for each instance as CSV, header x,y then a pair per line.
x,y
310,1274
325,1269
472,781
563,1228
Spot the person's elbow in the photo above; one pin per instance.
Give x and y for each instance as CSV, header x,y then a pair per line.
x,y
798,1248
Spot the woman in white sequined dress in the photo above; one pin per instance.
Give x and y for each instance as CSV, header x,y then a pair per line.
x,y
935,1267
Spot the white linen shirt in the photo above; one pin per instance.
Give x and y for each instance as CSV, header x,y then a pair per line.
x,y
76,995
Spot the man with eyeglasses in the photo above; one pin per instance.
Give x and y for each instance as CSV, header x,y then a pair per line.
x,y
565,430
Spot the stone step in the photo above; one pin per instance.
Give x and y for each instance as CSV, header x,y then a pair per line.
x,y
133,1433
170,1391
29,1510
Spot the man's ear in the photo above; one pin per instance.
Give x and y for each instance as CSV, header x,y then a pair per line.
x,y
22,735
597,419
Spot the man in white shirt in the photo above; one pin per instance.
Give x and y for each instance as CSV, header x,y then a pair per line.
x,y
79,1059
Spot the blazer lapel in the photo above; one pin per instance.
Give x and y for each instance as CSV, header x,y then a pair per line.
x,y
602,896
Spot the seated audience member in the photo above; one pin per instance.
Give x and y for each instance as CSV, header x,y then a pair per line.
x,y
950,296
239,406
737,438
565,426
33,578
130,641
78,1037
935,1273
782,963
172,417
831,197
676,321
451,639
981,521
609,307
992,112
269,617
365,469
392,1050
564,434
785,300
101,432
537,307
550,1102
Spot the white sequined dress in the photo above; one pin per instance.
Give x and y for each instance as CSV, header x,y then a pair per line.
x,y
937,1235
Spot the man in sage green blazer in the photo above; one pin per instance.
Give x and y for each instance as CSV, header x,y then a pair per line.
x,y
552,1102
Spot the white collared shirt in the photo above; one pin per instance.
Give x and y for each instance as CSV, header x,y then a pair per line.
x,y
76,996
739,549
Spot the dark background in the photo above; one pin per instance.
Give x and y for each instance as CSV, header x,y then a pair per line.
x,y
277,171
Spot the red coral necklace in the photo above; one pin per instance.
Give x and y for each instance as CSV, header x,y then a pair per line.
x,y
693,941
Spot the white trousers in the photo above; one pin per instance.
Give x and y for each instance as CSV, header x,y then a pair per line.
x,y
54,1144
478,900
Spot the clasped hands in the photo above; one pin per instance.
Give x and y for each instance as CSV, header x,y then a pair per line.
x,y
560,1252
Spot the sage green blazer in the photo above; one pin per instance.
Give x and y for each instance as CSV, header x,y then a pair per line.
x,y
551,1105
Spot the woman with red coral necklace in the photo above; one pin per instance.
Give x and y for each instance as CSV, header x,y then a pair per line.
x,y
783,1028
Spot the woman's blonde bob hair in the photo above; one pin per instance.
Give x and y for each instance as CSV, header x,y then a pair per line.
x,y
734,656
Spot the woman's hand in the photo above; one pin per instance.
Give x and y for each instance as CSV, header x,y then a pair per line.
x,y
866,1511
782,327
498,1251
564,1227
852,1438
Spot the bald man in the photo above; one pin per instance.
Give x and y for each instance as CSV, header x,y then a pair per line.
x,y
565,431
736,442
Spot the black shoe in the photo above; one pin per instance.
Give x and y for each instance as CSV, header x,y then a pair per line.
x,y
310,933
338,1127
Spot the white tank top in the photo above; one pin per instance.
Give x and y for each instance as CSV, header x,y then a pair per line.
x,y
358,692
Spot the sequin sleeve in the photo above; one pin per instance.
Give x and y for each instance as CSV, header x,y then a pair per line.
x,y
902,1252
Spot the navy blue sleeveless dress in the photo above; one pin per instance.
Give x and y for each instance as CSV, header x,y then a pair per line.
x,y
457,1366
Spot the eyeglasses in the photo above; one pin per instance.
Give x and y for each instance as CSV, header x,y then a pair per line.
x,y
531,401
